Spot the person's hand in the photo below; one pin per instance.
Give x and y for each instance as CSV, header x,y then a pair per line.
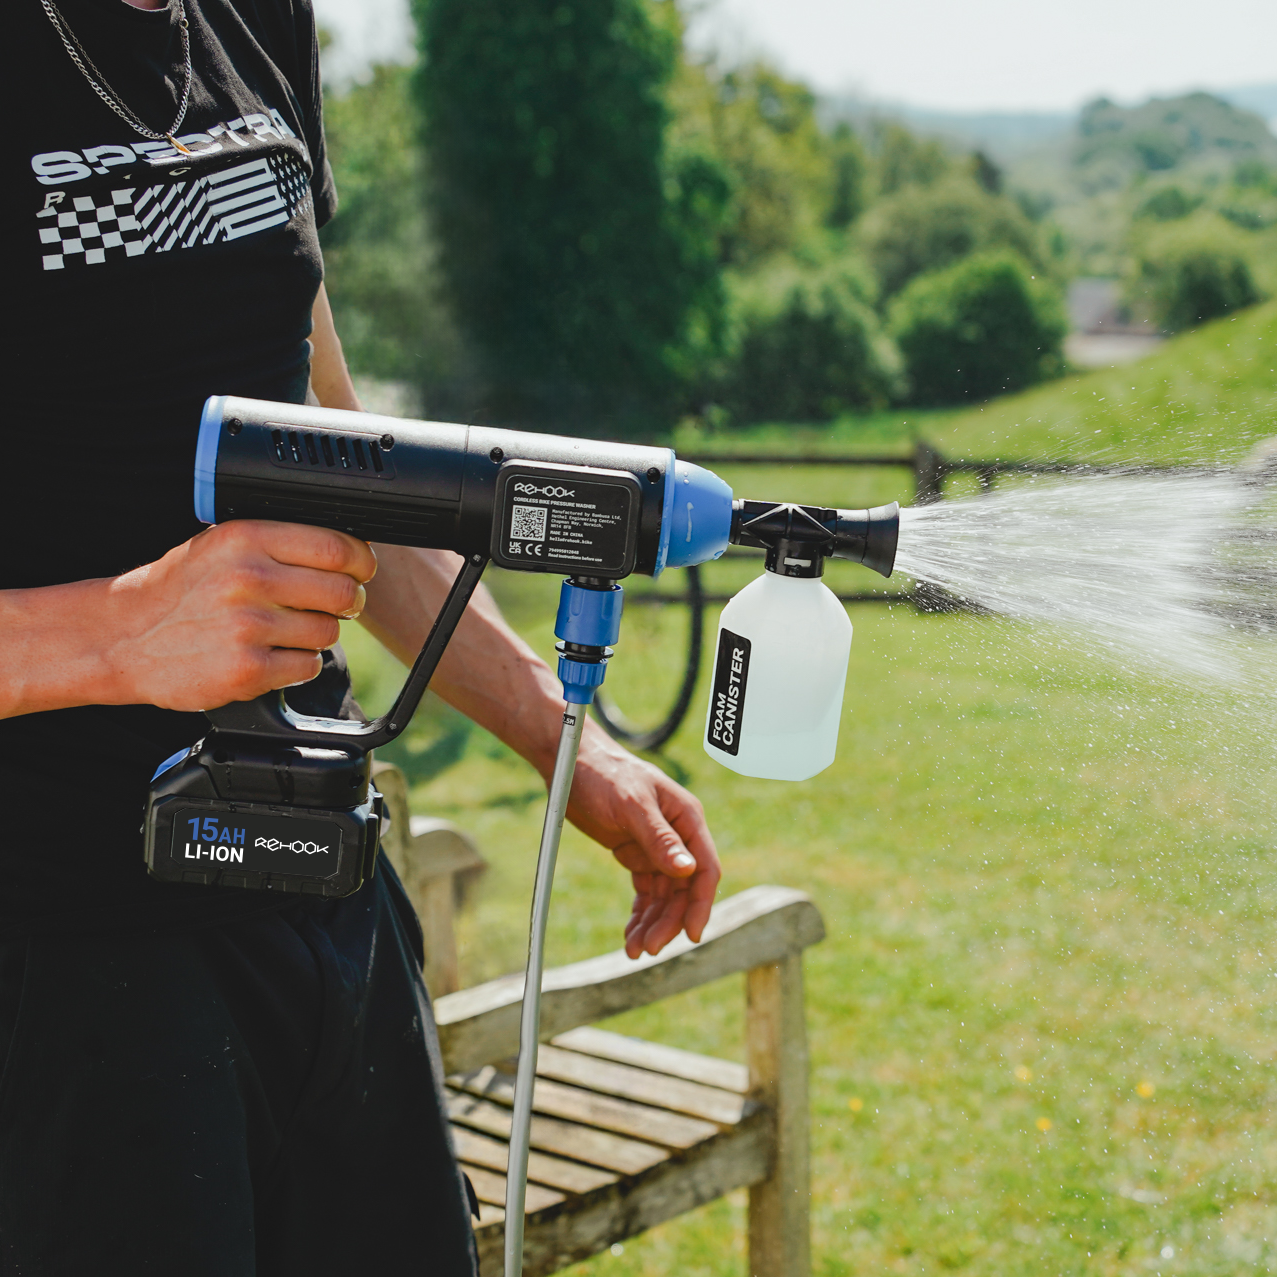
x,y
657,830
243,608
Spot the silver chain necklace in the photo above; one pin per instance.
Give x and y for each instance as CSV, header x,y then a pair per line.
x,y
97,81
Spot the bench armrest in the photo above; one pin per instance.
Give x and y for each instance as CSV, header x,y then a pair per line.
x,y
754,928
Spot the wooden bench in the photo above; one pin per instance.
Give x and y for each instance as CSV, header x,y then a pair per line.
x,y
439,866
627,1133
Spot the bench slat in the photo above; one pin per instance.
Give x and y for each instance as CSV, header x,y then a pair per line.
x,y
727,1075
591,1223
489,1186
753,928
605,1112
567,1139
658,1089
553,1172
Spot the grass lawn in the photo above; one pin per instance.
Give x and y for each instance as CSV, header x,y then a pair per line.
x,y
1044,1021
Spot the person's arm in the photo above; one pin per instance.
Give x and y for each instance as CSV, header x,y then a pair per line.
x,y
653,826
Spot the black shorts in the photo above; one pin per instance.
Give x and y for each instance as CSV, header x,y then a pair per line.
x,y
258,1099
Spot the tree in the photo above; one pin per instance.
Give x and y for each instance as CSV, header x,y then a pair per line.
x,y
988,176
979,328
377,251
926,229
762,130
904,159
850,172
573,248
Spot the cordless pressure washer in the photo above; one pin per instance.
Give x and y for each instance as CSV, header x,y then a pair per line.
x,y
273,800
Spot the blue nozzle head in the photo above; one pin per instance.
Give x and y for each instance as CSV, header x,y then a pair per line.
x,y
697,520
206,457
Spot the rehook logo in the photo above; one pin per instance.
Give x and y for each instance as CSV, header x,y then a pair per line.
x,y
546,491
297,846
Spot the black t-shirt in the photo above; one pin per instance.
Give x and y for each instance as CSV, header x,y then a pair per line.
x,y
141,280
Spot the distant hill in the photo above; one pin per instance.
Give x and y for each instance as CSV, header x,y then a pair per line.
x,y
1092,178
1010,136
1090,170
1197,131
1004,135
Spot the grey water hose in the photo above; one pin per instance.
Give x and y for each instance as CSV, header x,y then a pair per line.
x,y
516,1184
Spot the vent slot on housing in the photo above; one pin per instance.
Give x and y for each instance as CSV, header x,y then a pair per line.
x,y
323,450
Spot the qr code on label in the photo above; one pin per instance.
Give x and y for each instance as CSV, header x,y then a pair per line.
x,y
527,523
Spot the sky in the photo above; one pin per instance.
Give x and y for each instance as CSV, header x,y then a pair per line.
x,y
1001,55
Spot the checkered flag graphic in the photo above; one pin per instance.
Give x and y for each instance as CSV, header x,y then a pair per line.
x,y
237,201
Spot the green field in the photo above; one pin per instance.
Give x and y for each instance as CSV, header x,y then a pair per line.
x,y
1050,978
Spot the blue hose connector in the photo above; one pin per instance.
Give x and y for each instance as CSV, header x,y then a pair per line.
x,y
581,679
589,617
589,621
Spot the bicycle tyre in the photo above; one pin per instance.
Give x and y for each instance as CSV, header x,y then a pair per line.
x,y
614,721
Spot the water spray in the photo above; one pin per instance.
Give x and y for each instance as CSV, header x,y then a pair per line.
x,y
269,799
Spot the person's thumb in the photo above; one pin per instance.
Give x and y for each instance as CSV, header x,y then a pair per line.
x,y
664,849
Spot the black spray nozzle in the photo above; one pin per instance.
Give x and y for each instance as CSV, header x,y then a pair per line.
x,y
798,538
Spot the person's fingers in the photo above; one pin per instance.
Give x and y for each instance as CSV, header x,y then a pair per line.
x,y
690,823
310,590
266,627
650,892
642,893
667,922
700,902
659,918
633,934
285,667
636,938
643,882
299,546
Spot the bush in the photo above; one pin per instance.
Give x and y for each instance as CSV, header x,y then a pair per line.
x,y
977,329
807,347
1187,274
926,229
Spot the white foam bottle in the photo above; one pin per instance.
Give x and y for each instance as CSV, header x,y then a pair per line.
x,y
780,669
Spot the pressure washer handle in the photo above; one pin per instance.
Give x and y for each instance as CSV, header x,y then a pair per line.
x,y
269,717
